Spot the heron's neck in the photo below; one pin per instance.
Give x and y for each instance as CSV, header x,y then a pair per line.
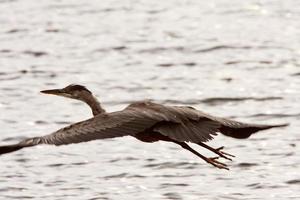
x,y
94,105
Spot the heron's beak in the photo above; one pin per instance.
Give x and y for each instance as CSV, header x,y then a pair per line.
x,y
58,92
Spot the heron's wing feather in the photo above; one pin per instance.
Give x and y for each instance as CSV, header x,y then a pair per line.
x,y
116,124
190,131
188,127
228,127
191,125
180,123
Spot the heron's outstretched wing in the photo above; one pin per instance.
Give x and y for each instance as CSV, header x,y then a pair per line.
x,y
187,124
182,124
241,130
232,128
189,131
116,124
204,126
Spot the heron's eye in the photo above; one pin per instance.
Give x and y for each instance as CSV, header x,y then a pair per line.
x,y
75,94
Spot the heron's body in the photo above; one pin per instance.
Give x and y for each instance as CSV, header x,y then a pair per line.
x,y
146,121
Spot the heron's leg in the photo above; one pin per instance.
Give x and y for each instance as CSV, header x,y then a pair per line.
x,y
211,161
217,151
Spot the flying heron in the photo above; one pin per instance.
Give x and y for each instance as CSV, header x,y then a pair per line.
x,y
146,121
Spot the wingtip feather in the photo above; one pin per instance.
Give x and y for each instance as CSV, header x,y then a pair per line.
x,y
9,148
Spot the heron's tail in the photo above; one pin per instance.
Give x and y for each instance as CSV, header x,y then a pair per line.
x,y
10,148
243,132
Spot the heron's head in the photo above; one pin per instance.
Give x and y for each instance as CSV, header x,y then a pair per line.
x,y
78,92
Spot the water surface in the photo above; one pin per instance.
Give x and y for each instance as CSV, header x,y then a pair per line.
x,y
229,58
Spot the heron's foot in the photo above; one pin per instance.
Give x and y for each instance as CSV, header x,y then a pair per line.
x,y
222,153
217,151
213,161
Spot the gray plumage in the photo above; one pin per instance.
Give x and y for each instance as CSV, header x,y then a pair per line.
x,y
146,121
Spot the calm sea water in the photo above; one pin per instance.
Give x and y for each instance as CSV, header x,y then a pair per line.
x,y
237,59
